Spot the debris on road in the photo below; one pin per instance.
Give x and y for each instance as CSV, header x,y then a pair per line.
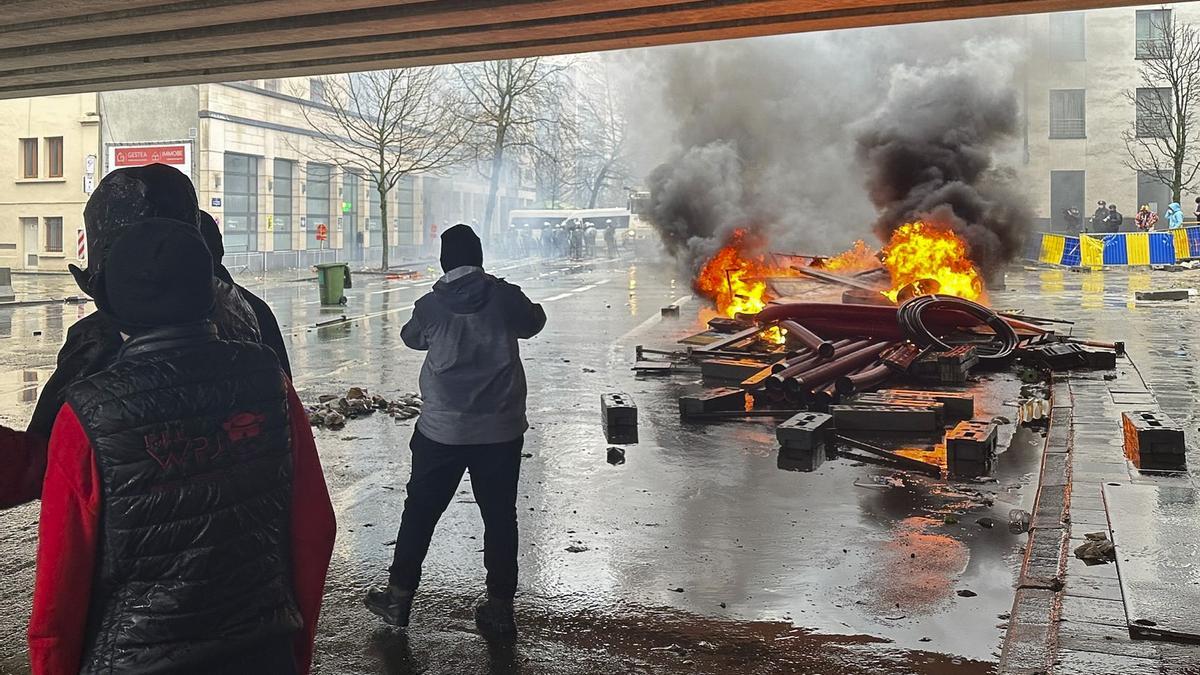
x,y
838,360
333,410
1169,294
1154,441
619,418
1097,550
616,456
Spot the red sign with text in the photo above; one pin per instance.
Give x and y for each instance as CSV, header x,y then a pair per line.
x,y
149,154
322,232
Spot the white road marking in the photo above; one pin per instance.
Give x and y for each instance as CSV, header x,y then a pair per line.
x,y
560,296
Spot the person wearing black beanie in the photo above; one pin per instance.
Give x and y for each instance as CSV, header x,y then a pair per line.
x,y
182,467
124,197
174,289
473,419
461,248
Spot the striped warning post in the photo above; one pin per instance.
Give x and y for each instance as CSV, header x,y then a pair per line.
x,y
80,244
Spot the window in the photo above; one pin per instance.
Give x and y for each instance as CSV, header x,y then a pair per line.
x,y
54,234
1154,112
405,221
316,204
282,190
373,209
349,210
54,157
1066,36
1066,113
29,158
241,203
1152,27
316,90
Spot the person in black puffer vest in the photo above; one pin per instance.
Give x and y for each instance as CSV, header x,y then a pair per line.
x,y
124,197
170,540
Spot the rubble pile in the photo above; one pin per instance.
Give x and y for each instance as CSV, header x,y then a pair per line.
x,y
333,410
822,370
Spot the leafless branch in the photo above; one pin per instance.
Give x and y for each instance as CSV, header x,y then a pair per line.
x,y
388,124
1163,139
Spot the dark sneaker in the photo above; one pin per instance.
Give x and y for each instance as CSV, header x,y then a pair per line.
x,y
494,618
390,603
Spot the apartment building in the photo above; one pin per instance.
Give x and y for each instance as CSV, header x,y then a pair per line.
x,y
1084,66
54,144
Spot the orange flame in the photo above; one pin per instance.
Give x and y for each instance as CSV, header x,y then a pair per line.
x,y
858,258
734,278
920,252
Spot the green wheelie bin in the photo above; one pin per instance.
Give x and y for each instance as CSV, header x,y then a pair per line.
x,y
332,279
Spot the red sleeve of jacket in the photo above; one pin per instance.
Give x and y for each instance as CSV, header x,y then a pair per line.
x,y
313,528
23,456
67,543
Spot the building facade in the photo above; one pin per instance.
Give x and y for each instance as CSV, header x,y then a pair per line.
x,y
1082,70
54,144
277,192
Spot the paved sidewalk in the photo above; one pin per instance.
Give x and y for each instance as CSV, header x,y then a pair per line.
x,y
1069,618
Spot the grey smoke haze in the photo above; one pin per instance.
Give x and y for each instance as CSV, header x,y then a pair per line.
x,y
784,136
928,153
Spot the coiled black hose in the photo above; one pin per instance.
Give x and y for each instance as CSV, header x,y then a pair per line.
x,y
910,317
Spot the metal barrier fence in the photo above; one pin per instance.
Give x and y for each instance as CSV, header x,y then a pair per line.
x,y
1117,249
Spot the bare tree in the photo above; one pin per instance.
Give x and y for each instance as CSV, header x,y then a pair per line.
x,y
603,125
388,124
1162,140
555,155
507,101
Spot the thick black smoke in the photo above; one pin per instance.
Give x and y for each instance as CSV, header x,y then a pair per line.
x,y
759,141
928,154
808,140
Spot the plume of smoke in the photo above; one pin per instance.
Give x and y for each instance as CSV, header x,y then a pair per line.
x,y
774,135
928,153
756,147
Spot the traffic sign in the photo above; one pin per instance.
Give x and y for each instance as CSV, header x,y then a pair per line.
x,y
322,232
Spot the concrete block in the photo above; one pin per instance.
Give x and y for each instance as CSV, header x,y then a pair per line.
x,y
1153,441
950,367
957,405
795,459
670,312
806,430
1169,294
875,417
971,448
1101,359
964,468
618,417
733,370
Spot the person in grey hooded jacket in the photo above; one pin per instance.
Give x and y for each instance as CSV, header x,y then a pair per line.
x,y
473,419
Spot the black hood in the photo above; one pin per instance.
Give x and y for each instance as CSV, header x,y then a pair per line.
x,y
127,196
467,294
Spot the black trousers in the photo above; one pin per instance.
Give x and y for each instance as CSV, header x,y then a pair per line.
x,y
437,470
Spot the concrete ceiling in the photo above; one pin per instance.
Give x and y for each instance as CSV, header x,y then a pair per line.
x,y
62,46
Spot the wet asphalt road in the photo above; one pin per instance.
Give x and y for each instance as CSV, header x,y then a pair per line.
x,y
849,569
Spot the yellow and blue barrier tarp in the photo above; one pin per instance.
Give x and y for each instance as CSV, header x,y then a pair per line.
x,y
1117,248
